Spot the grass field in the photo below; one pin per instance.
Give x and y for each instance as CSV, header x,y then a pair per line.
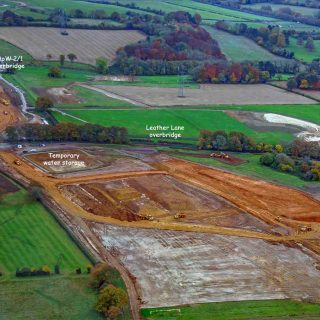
x,y
302,53
238,48
93,99
304,112
86,7
193,121
51,298
30,237
305,11
244,310
154,81
34,76
7,50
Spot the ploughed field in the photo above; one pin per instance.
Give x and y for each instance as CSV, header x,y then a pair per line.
x,y
208,95
88,45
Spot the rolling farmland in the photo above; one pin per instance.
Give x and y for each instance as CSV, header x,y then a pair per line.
x,y
239,49
39,42
192,120
31,237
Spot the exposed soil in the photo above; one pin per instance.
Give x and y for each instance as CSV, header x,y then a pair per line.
x,y
58,95
84,162
6,186
9,114
175,268
257,122
162,197
232,160
258,197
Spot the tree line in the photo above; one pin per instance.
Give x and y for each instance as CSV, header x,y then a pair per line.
x,y
68,132
304,80
298,158
230,73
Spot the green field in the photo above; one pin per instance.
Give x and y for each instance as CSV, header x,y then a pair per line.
x,y
87,7
50,298
30,237
154,81
301,53
244,310
193,121
37,76
304,112
93,99
7,49
239,49
305,11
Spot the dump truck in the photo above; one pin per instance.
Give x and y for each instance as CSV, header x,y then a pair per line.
x,y
4,101
179,216
17,162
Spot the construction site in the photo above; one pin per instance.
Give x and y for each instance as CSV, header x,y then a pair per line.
x,y
184,232
9,113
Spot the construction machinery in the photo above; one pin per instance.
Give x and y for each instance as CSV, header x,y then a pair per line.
x,y
4,101
219,155
17,162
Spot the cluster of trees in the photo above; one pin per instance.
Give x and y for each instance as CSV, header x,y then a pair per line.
x,y
272,37
68,132
27,272
298,158
305,149
308,44
9,18
304,80
304,168
226,141
230,73
178,43
111,300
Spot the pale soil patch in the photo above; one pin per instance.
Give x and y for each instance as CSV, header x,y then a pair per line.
x,y
312,130
174,268
58,95
208,95
88,45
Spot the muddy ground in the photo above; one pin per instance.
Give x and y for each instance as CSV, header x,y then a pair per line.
x,y
162,198
175,268
95,160
257,122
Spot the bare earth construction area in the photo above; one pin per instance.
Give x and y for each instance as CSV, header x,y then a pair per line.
x,y
175,268
39,42
186,233
209,95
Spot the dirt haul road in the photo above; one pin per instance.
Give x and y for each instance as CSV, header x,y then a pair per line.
x,y
262,199
9,114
